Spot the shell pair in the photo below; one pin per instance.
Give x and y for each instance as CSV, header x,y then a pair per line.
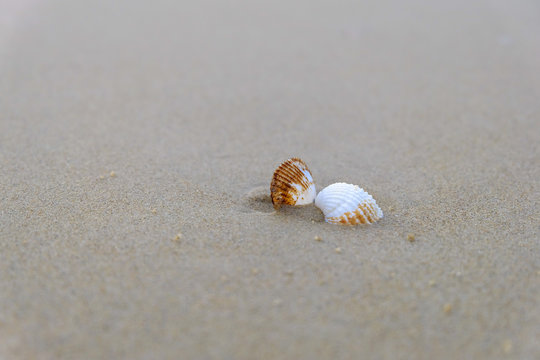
x,y
341,203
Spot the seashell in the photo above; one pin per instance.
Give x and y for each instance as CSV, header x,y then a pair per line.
x,y
292,184
347,204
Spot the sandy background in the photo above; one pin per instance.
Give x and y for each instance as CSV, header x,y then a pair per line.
x,y
432,107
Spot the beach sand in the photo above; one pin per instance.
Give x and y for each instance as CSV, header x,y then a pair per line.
x,y
137,144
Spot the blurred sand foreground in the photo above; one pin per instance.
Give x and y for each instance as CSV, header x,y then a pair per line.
x,y
137,142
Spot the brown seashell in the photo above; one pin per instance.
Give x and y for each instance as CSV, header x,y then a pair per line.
x,y
292,184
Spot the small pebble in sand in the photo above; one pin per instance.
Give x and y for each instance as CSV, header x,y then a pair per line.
x,y
411,237
101,177
338,250
432,283
317,238
112,174
447,308
507,346
178,237
154,211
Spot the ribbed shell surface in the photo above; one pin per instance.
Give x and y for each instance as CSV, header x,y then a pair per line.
x,y
292,184
347,204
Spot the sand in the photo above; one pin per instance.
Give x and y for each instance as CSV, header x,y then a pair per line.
x,y
137,143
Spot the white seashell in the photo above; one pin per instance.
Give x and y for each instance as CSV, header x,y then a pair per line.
x,y
347,204
292,184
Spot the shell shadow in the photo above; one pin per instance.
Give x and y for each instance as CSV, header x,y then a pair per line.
x,y
305,213
258,200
